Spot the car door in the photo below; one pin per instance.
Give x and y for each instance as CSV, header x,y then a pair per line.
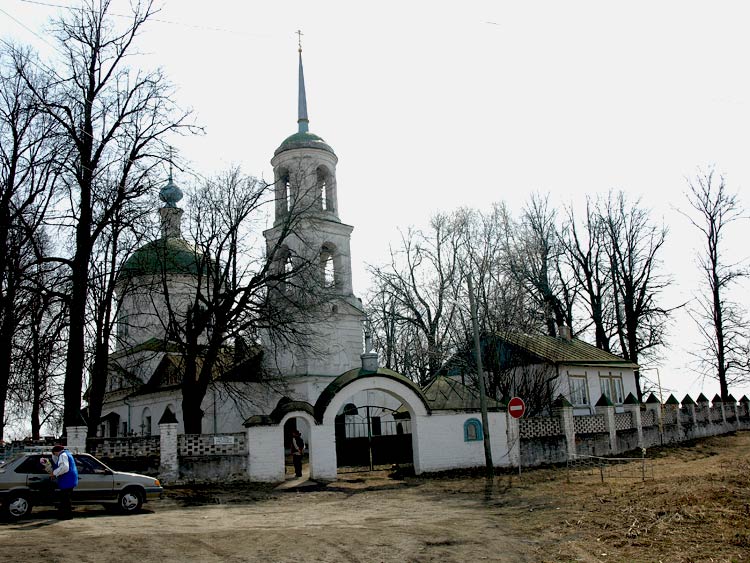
x,y
95,481
36,478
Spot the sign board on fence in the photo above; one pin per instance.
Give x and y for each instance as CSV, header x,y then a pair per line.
x,y
516,407
223,440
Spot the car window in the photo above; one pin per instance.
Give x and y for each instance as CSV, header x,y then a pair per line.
x,y
32,465
87,465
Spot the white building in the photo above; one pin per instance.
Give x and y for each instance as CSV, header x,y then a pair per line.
x,y
330,390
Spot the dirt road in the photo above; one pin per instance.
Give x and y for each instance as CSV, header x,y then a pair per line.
x,y
696,508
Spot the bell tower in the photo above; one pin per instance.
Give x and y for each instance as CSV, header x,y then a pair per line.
x,y
306,196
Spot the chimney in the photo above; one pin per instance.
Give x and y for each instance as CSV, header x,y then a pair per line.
x,y
564,332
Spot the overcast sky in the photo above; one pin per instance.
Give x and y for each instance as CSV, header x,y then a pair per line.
x,y
435,105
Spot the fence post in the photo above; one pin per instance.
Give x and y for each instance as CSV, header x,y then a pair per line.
x,y
605,407
689,405
673,406
169,467
76,438
632,406
745,406
562,408
718,403
704,408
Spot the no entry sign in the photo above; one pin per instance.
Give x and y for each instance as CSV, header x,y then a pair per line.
x,y
516,407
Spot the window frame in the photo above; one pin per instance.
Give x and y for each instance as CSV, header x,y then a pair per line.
x,y
476,425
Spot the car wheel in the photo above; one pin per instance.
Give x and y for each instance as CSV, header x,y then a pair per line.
x,y
17,506
130,501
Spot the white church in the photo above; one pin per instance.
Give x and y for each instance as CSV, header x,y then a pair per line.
x,y
347,407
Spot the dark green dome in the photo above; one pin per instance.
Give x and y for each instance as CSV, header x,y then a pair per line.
x,y
167,255
304,140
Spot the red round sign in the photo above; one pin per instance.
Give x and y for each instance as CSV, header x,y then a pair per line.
x,y
516,407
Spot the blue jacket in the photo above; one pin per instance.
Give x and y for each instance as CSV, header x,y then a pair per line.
x,y
69,479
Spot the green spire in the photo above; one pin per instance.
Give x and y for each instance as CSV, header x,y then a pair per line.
x,y
302,121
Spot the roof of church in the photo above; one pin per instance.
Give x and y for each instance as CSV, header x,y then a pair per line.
x,y
166,255
303,140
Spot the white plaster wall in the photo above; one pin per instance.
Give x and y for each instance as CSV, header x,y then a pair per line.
x,y
265,459
440,438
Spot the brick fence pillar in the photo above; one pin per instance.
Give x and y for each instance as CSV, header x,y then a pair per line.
x,y
605,407
632,406
169,466
562,409
76,438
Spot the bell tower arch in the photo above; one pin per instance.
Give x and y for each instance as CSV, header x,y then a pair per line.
x,y
306,196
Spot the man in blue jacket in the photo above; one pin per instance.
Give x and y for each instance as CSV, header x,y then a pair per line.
x,y
65,472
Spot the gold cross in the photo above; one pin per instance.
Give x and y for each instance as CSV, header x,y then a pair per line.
x,y
299,39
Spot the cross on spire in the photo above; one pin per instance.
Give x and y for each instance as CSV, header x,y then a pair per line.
x,y
299,39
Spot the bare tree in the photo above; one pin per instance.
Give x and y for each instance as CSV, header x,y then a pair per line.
x,y
723,324
27,179
240,291
38,359
633,249
114,121
533,255
585,249
419,286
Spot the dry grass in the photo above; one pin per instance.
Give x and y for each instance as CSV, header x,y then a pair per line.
x,y
697,508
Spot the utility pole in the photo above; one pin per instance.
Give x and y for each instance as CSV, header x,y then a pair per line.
x,y
480,377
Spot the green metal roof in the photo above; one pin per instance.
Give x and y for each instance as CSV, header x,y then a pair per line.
x,y
561,351
446,393
167,255
304,140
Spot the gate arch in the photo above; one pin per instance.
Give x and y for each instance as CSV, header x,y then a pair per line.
x,y
340,390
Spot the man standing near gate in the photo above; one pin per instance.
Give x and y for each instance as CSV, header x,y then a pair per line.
x,y
65,472
298,447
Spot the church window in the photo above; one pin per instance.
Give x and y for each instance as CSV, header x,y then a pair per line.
x,y
288,194
325,189
327,269
473,430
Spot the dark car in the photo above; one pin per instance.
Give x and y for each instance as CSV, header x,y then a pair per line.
x,y
24,483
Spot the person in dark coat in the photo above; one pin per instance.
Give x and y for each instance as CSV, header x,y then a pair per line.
x,y
298,448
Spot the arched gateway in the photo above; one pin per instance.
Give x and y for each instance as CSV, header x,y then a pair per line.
x,y
266,433
444,434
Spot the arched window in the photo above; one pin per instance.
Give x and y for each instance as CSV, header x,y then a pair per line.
x,y
283,192
325,189
473,430
327,269
288,193
146,422
350,409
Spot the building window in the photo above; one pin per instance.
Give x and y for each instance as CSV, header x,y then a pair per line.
x,y
612,387
327,268
473,430
579,391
